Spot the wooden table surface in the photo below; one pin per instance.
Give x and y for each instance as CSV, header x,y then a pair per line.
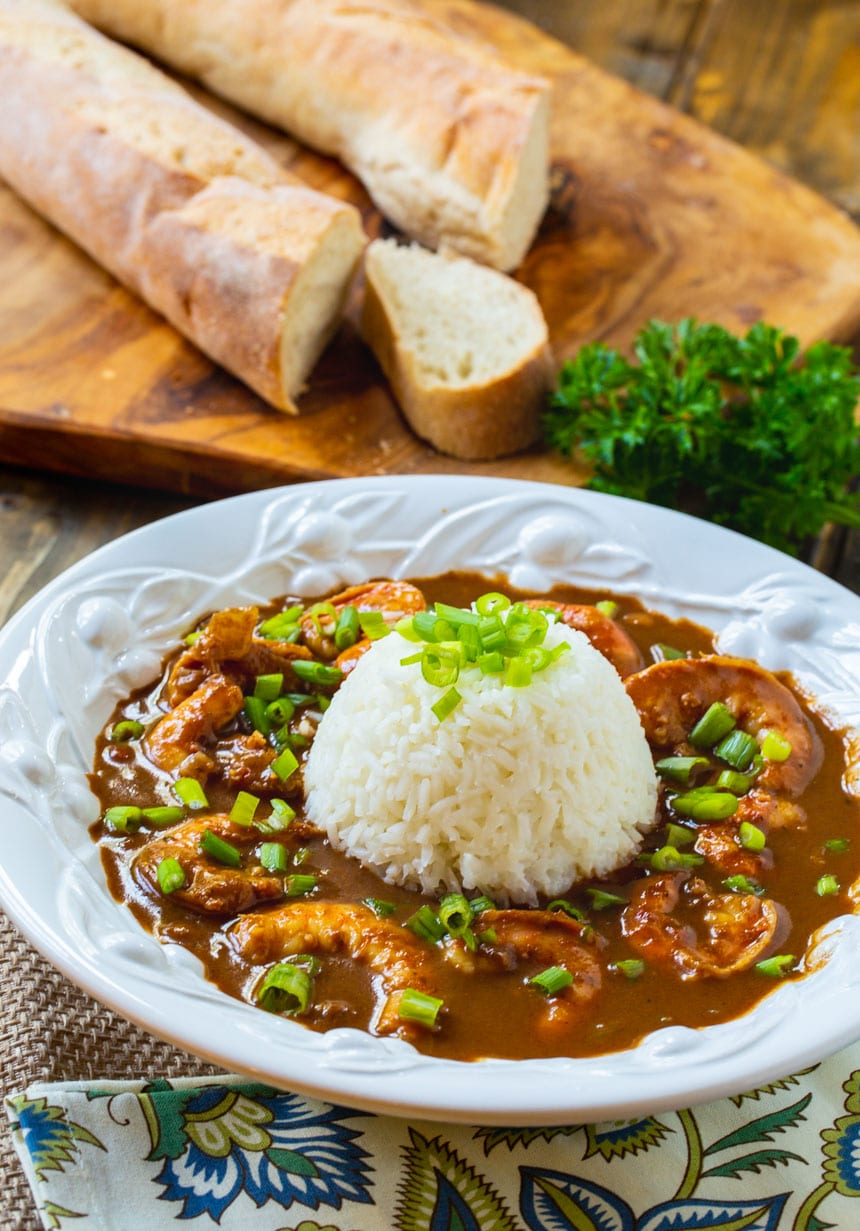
x,y
782,80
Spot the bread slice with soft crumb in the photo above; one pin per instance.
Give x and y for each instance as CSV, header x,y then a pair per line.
x,y
465,348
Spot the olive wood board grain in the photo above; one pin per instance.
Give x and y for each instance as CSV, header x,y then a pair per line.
x,y
652,215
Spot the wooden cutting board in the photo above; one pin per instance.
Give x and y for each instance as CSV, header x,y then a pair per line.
x,y
652,215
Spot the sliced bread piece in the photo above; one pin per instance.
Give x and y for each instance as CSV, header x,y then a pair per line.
x,y
464,348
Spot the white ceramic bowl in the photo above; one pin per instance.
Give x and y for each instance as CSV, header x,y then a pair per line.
x,y
101,629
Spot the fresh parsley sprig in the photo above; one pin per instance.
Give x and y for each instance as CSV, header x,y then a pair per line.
x,y
743,430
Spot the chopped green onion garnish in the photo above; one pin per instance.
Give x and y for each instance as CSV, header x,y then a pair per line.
x,y
563,906
600,899
317,673
731,780
285,989
348,629
123,731
776,967
492,603
440,667
268,687
406,628
254,709
426,924
630,967
424,625
123,819
837,846
413,1006
665,653
738,749
489,936
285,764
480,904
456,615
455,913
775,747
193,638
244,807
191,793
162,816
373,625
669,859
678,836
300,856
273,857
825,886
297,885
279,712
518,672
446,704
280,819
743,884
608,608
380,908
170,875
491,630
217,848
715,723
282,627
751,837
492,663
679,768
552,980
706,804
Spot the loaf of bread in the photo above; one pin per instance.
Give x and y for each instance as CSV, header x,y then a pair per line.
x,y
187,212
465,348
450,143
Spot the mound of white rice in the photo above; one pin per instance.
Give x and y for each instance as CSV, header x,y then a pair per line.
x,y
518,792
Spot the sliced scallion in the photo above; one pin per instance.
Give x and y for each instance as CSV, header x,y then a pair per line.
x,y
268,687
348,629
191,793
373,625
751,837
679,769
670,859
446,704
455,913
273,857
679,836
731,780
425,923
286,989
562,906
160,816
244,807
665,653
128,728
743,884
419,1007
775,747
254,709
552,980
223,852
608,608
630,967
826,886
837,846
738,748
171,875
299,884
601,899
492,663
492,603
122,819
279,712
715,723
317,673
776,967
480,904
281,817
706,804
380,908
285,764
282,627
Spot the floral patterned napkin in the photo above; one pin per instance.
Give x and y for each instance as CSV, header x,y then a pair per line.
x,y
127,1156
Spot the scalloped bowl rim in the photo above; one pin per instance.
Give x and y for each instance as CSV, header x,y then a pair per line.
x,y
96,629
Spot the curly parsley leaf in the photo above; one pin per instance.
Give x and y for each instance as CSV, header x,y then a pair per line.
x,y
755,436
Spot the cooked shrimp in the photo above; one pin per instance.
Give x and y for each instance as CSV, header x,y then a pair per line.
x,y
392,599
602,631
226,637
211,888
178,735
542,939
674,920
389,950
672,696
720,844
245,760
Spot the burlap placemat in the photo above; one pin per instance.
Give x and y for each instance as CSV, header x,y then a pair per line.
x,y
51,1031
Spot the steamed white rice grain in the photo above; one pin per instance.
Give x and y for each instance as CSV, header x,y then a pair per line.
x,y
518,792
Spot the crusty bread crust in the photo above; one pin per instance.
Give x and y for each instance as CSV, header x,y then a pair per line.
x,y
183,209
475,420
451,144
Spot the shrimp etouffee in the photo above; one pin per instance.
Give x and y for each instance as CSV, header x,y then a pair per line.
x,y
203,833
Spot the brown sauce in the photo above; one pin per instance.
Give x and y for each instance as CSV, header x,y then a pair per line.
x,y
496,1012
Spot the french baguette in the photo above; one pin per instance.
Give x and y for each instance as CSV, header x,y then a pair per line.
x,y
187,212
450,143
464,347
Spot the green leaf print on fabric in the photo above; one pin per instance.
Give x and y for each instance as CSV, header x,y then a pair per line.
x,y
441,1192
622,1137
51,1140
762,1129
774,1087
54,1215
514,1137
